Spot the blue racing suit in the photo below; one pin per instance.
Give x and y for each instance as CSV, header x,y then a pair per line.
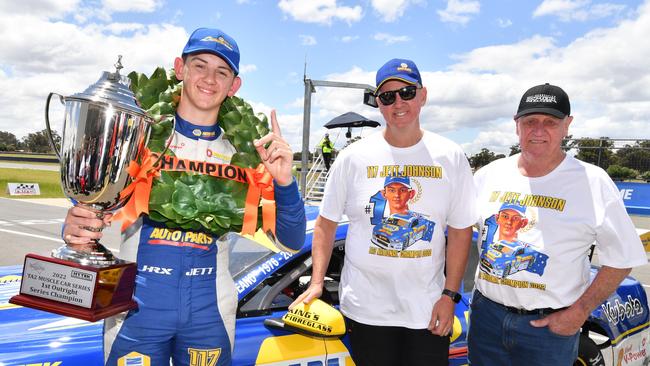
x,y
186,297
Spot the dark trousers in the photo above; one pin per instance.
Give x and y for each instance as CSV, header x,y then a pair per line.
x,y
327,158
394,346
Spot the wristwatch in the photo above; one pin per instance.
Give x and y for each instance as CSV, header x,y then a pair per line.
x,y
455,296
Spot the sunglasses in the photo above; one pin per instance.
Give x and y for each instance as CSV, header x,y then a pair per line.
x,y
406,93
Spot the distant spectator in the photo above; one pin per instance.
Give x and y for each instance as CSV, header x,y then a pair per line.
x,y
326,147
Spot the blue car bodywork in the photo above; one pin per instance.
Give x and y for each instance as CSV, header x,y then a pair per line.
x,y
267,283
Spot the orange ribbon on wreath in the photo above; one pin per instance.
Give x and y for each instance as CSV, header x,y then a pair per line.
x,y
260,185
139,190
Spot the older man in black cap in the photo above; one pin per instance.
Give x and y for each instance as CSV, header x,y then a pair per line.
x,y
533,315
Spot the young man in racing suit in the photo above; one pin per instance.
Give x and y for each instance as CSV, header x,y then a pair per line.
x,y
185,294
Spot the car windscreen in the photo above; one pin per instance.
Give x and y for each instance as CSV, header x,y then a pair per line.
x,y
244,253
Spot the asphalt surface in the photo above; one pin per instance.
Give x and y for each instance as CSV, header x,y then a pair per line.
x,y
51,167
34,226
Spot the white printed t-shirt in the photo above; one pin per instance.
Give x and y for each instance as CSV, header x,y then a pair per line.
x,y
567,210
393,271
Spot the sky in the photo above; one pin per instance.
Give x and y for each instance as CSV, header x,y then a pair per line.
x,y
476,58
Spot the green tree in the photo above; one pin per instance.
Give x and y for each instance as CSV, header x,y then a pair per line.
x,y
39,142
595,151
636,156
617,172
483,158
8,141
514,149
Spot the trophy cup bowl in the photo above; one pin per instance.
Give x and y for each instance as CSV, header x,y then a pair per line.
x,y
104,131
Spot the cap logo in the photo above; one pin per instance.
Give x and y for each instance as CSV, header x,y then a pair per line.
x,y
404,67
219,39
541,98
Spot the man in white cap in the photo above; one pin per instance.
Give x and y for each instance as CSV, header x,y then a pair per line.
x,y
399,308
534,317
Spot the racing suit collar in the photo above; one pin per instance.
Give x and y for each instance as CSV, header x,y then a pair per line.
x,y
197,132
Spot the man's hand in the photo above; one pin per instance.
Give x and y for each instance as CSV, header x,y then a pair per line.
x,y
83,225
442,316
568,321
313,291
277,157
565,322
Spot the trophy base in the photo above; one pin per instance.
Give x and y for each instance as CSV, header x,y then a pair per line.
x,y
56,307
85,292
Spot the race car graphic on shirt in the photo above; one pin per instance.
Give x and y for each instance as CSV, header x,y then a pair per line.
x,y
395,226
502,252
399,231
504,258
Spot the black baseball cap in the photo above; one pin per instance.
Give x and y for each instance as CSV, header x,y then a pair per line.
x,y
545,99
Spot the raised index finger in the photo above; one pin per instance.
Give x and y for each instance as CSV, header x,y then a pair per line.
x,y
275,127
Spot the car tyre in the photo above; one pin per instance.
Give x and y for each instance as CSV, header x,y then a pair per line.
x,y
588,353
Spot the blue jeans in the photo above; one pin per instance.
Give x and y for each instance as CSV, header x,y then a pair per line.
x,y
499,337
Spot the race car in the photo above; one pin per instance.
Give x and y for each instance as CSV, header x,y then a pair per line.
x,y
266,282
399,231
267,334
504,258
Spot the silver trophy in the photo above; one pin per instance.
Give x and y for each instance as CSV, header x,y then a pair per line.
x,y
104,131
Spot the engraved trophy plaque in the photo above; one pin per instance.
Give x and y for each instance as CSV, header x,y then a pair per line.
x,y
104,131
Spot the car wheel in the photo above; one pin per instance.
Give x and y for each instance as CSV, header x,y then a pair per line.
x,y
588,353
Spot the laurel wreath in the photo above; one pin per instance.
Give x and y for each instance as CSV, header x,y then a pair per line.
x,y
187,200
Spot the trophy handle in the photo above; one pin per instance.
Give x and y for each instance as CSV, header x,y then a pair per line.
x,y
47,122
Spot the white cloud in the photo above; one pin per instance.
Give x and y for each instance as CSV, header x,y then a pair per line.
x,y
459,11
53,9
348,39
290,124
119,28
558,7
580,10
504,23
58,60
140,6
391,10
307,40
245,69
606,78
389,38
498,138
320,11
328,103
296,103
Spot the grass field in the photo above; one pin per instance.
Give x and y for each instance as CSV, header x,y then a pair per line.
x,y
49,182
